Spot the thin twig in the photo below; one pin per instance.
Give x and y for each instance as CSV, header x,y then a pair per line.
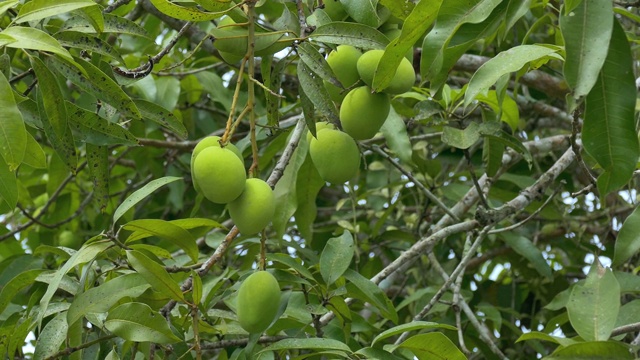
x,y
71,350
240,342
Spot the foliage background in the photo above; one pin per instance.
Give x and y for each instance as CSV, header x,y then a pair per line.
x,y
107,251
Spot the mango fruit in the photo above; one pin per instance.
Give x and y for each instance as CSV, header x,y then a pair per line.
x,y
362,113
258,302
253,210
319,126
343,61
335,155
219,174
403,79
205,143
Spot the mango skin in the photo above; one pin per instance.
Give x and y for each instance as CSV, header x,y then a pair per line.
x,y
220,174
258,302
343,61
363,113
319,126
253,210
205,143
402,81
335,155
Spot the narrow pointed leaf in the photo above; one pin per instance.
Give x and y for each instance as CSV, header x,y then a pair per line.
x,y
13,134
155,274
310,343
589,350
34,39
161,116
52,337
101,298
609,132
628,241
52,98
316,62
140,194
353,34
315,90
98,163
587,32
414,325
185,13
525,248
168,231
34,155
88,42
433,345
336,257
8,186
593,306
63,144
363,289
8,4
138,322
94,129
40,9
112,24
15,285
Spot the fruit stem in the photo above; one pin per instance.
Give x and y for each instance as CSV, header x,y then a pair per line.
x,y
228,131
262,263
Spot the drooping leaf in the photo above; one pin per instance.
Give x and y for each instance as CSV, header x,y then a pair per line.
x,y
34,39
493,130
609,133
363,12
593,306
586,28
395,134
15,285
13,134
161,116
168,231
414,325
433,345
290,262
310,343
529,251
8,4
112,24
52,337
362,288
140,194
94,129
285,190
315,90
504,63
82,256
316,62
34,155
138,322
420,19
155,275
63,143
308,184
354,34
336,257
88,42
8,186
52,98
98,163
40,9
628,241
101,298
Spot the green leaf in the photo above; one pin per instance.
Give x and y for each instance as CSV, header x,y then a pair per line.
x,y
285,190
63,144
94,16
155,274
363,12
420,19
628,240
101,298
609,132
52,99
34,155
374,353
13,134
363,289
433,345
493,131
6,5
98,163
308,184
593,306
52,337
395,134
94,129
8,186
313,87
112,24
196,288
82,256
592,350
40,9
587,32
353,34
15,285
411,326
140,194
34,39
316,62
161,116
336,257
184,13
526,249
138,322
506,107
291,263
492,151
87,42
166,230
461,138
536,335
504,63
310,343
97,84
